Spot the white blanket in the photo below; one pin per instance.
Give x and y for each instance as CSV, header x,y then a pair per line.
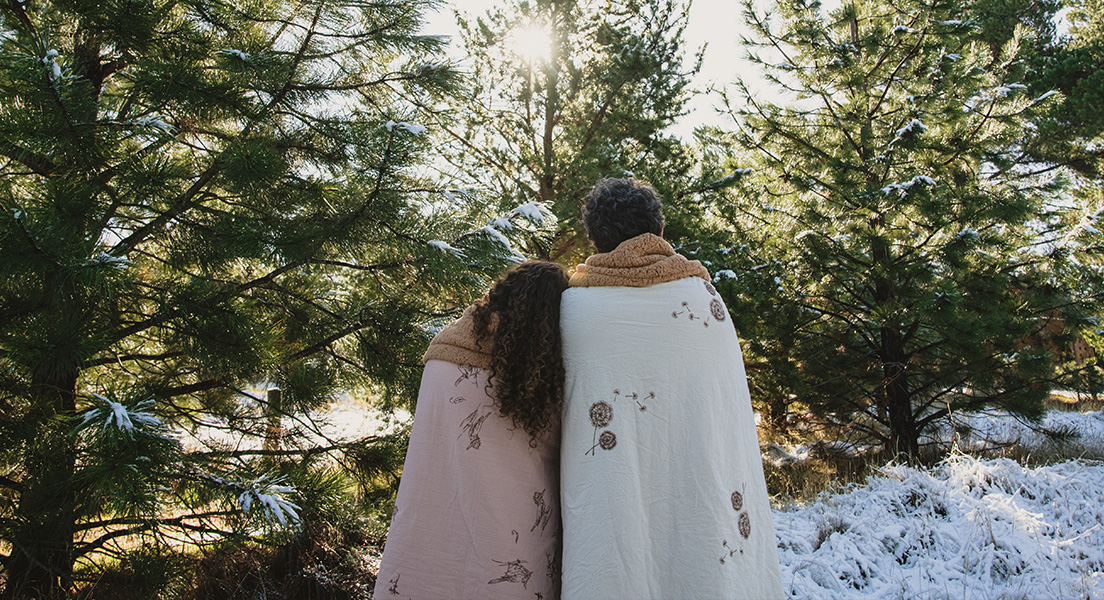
x,y
662,483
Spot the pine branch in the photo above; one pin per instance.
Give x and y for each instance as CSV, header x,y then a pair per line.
x,y
179,205
84,548
107,360
40,165
304,452
11,484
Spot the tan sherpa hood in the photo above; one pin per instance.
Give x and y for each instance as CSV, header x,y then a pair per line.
x,y
644,260
457,343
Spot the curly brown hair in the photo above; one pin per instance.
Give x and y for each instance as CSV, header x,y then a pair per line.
x,y
523,310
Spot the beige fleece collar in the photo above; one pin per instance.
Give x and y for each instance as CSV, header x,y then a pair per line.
x,y
644,260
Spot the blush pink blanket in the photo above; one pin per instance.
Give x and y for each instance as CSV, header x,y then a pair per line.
x,y
477,513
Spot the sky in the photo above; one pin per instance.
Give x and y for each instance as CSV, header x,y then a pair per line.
x,y
716,22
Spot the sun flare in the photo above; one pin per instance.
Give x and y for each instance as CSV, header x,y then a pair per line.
x,y
532,43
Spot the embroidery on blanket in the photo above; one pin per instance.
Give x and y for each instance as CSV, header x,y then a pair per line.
x,y
467,372
729,551
743,523
394,589
709,288
471,426
601,415
635,397
744,520
544,513
716,311
515,573
456,399
553,567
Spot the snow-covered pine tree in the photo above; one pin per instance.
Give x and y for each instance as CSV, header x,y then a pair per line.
x,y
1070,137
198,199
895,213
564,93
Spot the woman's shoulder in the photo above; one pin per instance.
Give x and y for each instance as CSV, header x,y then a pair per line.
x,y
459,343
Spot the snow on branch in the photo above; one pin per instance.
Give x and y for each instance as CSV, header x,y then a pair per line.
x,y
238,54
269,496
121,417
913,128
413,128
905,186
155,122
50,61
446,247
536,213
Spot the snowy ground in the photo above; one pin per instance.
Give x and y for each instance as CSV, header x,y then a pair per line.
x,y
966,529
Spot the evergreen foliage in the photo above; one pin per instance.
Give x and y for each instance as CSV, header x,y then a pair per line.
x,y
894,250
595,103
1070,136
200,201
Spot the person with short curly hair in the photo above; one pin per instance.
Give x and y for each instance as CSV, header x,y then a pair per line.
x,y
477,512
616,210
662,487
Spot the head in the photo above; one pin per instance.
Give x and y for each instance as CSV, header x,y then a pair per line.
x,y
527,364
616,210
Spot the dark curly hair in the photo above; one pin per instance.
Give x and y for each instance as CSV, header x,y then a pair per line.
x,y
615,210
523,308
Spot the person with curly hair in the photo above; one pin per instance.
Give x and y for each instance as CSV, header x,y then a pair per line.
x,y
662,485
477,512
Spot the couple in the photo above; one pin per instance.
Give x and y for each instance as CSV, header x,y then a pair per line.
x,y
619,405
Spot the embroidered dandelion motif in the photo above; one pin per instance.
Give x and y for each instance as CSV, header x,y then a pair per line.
x,y
692,317
544,513
731,551
717,309
607,440
601,413
515,573
709,288
456,400
394,589
737,501
467,372
745,525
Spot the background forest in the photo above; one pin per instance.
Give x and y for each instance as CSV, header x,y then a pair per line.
x,y
218,219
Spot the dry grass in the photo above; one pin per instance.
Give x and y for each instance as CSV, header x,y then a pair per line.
x,y
1071,402
803,481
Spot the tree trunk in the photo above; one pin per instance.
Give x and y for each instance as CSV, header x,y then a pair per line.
x,y
895,392
41,562
903,437
274,429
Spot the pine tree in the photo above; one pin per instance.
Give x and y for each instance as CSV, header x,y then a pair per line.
x,y
893,214
546,123
200,200
1070,137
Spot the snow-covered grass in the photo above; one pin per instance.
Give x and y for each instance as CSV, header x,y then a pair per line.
x,y
966,528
